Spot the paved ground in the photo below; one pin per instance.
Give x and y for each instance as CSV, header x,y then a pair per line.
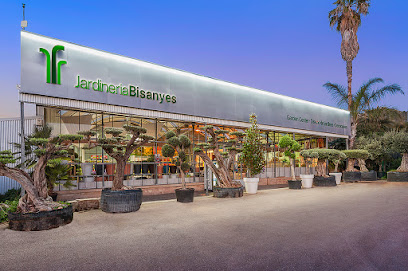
x,y
351,227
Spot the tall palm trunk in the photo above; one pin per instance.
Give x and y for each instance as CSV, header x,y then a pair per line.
x,y
349,69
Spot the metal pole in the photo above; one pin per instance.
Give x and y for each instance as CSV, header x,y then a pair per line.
x,y
23,150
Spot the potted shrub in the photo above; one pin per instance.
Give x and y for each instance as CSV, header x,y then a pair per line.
x,y
307,179
57,171
180,144
336,161
321,178
226,187
119,199
290,147
36,210
352,174
398,142
252,155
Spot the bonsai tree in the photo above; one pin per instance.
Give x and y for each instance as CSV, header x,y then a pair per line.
x,y
337,160
309,156
119,147
180,144
217,140
36,197
398,142
376,148
322,156
359,155
290,147
253,154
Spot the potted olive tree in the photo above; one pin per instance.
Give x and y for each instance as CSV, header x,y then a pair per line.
x,y
119,199
290,147
36,209
321,178
217,140
352,174
309,157
398,142
252,155
179,144
336,161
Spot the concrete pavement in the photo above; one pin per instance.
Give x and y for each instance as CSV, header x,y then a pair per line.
x,y
362,226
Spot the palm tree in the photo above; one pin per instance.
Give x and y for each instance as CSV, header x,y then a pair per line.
x,y
347,19
361,101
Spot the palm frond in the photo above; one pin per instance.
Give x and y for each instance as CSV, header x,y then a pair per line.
x,y
388,89
338,92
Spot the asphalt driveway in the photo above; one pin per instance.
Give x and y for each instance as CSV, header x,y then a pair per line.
x,y
361,226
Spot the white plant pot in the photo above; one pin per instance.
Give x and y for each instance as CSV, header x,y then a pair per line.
x,y
251,185
337,175
307,180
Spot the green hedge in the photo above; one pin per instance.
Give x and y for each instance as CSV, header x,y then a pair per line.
x,y
322,154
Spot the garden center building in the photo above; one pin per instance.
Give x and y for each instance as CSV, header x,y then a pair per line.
x,y
76,88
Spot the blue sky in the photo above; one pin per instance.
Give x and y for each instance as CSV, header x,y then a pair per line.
x,y
285,47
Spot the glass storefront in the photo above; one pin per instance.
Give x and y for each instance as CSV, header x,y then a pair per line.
x,y
93,168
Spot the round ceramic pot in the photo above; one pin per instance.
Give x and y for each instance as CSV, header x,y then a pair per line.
x,y
337,176
251,185
307,180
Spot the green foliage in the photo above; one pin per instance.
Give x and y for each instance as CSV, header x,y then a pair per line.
x,y
87,133
322,154
174,141
396,141
185,142
357,154
197,149
134,129
38,141
56,171
220,132
7,206
6,157
40,152
70,137
375,147
168,150
170,134
185,166
11,194
113,131
289,145
146,137
253,154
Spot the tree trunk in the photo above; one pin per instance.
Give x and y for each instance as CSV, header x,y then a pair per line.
x,y
353,133
39,177
362,164
336,167
31,202
292,169
119,174
350,164
349,80
321,168
404,163
183,178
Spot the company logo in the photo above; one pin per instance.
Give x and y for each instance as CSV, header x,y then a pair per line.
x,y
53,68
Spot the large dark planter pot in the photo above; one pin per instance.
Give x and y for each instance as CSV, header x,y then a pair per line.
x,y
122,201
351,176
40,221
397,176
185,195
230,192
324,181
295,184
369,176
381,174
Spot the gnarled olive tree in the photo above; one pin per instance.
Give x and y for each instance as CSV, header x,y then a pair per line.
x,y
119,147
322,156
46,149
398,142
224,159
360,156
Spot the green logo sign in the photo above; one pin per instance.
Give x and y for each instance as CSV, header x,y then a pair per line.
x,y
53,69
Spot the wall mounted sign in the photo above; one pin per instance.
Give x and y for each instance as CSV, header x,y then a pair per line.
x,y
56,68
